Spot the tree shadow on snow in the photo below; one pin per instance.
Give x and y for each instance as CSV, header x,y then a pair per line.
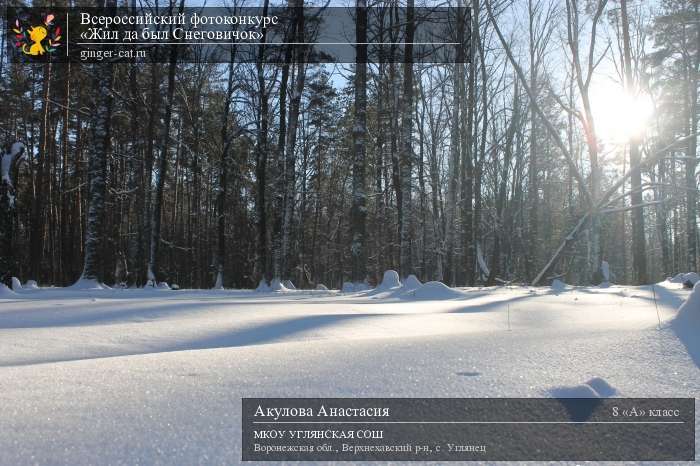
x,y
90,313
110,310
260,334
264,333
495,305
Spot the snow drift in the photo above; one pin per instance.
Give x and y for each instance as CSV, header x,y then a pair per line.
x,y
5,292
289,285
348,287
263,287
388,287
559,286
412,289
434,291
83,284
389,281
690,309
686,325
16,284
277,285
597,387
689,279
411,283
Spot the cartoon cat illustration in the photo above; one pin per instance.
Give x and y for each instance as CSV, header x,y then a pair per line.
x,y
36,34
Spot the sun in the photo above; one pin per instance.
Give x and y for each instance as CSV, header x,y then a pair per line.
x,y
618,114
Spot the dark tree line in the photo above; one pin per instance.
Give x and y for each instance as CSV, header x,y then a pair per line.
x,y
493,171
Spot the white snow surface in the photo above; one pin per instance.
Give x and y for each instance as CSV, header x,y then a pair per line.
x,y
129,376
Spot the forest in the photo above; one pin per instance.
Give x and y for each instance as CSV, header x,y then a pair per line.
x,y
564,145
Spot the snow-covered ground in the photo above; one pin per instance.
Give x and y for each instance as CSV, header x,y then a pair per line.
x,y
144,377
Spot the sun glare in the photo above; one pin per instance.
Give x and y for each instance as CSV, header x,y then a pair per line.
x,y
619,115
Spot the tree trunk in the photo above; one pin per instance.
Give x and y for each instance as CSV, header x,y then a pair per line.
x,y
153,270
467,171
97,167
36,235
639,258
261,162
223,169
406,156
358,247
279,172
533,172
454,170
691,159
290,150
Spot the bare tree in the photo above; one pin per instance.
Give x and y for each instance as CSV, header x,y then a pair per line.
x,y
406,154
638,240
358,247
97,167
156,217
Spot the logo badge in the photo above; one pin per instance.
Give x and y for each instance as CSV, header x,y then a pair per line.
x,y
36,40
